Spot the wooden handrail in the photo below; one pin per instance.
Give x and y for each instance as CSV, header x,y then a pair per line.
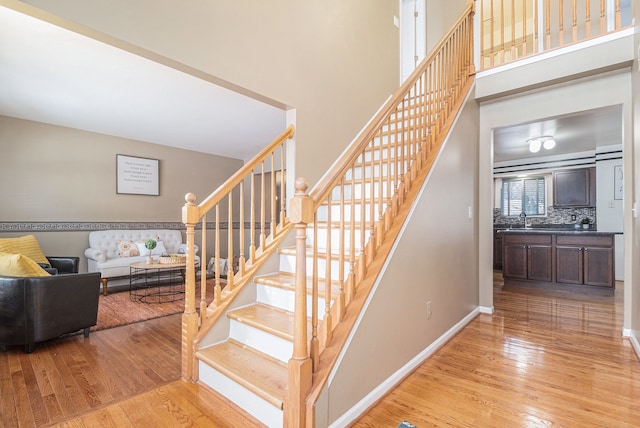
x,y
328,181
223,190
356,202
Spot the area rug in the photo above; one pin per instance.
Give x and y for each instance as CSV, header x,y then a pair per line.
x,y
116,309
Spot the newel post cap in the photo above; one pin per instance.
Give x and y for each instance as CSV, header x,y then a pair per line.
x,y
190,209
301,205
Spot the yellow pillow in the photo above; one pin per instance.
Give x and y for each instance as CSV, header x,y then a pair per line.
x,y
19,265
26,245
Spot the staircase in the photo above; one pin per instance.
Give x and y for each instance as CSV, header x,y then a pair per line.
x,y
250,367
260,342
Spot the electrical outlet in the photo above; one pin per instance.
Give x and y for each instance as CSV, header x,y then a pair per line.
x,y
429,309
573,217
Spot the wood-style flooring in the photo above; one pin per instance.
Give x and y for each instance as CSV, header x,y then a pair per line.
x,y
543,359
125,376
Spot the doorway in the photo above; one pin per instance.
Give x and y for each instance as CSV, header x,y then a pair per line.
x,y
413,35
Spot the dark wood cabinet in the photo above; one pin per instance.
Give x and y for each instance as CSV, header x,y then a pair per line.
x,y
569,264
528,257
574,188
497,249
569,258
585,260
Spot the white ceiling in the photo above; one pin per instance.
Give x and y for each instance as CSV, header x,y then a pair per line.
x,y
579,132
52,75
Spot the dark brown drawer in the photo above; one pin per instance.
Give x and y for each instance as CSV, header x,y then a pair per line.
x,y
585,241
526,238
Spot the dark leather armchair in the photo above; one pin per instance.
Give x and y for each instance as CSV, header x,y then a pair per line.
x,y
36,309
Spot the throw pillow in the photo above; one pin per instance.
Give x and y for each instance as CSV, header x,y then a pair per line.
x,y
144,251
26,245
159,250
19,265
127,249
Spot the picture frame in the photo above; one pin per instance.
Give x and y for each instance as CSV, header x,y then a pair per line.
x,y
618,186
137,175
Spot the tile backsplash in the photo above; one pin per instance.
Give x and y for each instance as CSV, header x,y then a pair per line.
x,y
555,216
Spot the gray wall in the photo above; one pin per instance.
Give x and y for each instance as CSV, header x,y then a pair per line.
x,y
334,61
435,259
63,175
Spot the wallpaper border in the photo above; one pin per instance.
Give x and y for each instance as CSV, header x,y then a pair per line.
x,y
78,226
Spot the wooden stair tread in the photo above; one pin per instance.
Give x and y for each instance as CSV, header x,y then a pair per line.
x,y
287,280
267,318
259,373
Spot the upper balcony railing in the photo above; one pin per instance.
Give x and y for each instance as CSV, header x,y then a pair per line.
x,y
514,29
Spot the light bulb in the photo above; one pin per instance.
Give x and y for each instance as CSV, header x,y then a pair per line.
x,y
549,144
534,146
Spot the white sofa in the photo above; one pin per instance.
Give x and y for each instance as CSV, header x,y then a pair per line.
x,y
103,254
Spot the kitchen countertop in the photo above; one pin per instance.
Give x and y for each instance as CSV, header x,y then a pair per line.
x,y
556,231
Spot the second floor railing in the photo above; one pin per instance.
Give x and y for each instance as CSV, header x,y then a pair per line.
x,y
514,29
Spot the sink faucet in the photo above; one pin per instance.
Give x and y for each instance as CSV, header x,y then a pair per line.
x,y
523,216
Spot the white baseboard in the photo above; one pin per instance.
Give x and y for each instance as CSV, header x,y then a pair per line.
x,y
634,342
486,310
393,380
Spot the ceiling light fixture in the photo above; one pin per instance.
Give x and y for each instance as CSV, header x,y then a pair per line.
x,y
536,143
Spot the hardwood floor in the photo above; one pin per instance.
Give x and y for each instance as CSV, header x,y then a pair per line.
x,y
121,377
543,359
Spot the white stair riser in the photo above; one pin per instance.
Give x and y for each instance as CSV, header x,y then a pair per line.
x,y
285,299
288,264
274,346
394,153
257,407
388,170
322,214
335,239
355,191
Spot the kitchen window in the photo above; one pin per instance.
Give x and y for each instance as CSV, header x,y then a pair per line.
x,y
523,195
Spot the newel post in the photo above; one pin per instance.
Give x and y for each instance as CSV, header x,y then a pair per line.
x,y
190,316
300,365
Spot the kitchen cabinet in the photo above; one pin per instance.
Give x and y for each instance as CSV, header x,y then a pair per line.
x,y
574,188
497,249
559,258
585,260
527,257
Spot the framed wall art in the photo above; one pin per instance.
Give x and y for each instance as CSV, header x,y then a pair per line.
x,y
137,176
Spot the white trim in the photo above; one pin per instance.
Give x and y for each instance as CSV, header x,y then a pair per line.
x,y
634,342
558,52
393,380
489,310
